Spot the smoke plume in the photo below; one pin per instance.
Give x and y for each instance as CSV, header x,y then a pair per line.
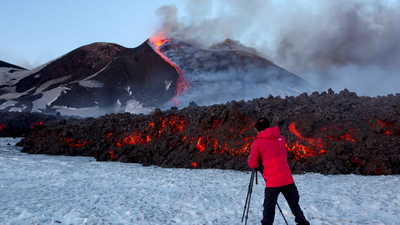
x,y
332,44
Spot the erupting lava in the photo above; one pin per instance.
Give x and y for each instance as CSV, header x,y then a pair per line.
x,y
2,126
314,145
182,85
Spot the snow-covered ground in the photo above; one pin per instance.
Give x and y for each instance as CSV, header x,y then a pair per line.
x,y
41,189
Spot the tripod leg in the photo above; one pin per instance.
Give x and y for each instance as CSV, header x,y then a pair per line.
x,y
248,208
256,177
248,194
247,204
280,210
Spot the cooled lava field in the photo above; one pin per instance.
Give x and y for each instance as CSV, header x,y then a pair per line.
x,y
327,132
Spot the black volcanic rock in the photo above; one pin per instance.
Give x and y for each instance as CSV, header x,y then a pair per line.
x,y
94,80
75,65
326,133
9,65
144,72
16,124
119,72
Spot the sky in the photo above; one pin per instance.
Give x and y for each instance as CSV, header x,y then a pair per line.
x,y
353,44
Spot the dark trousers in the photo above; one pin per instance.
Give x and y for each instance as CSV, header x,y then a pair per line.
x,y
292,197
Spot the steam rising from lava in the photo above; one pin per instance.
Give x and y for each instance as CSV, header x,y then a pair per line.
x,y
334,44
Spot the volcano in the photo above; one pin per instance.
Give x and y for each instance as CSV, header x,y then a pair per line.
x,y
11,67
102,78
220,75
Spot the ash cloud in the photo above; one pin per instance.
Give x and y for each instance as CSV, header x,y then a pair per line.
x,y
333,44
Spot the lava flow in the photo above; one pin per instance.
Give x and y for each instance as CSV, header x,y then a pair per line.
x,y
74,143
2,126
175,123
319,139
182,84
219,143
388,128
36,124
315,145
302,151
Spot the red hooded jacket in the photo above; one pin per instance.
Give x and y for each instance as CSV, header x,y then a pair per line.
x,y
269,146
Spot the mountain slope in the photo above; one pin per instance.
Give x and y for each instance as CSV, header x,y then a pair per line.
x,y
102,78
9,65
93,77
223,75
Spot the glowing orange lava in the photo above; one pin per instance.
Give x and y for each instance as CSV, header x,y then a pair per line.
x,y
134,138
343,137
182,85
112,155
314,145
216,142
347,137
35,124
200,144
2,126
157,41
386,126
355,161
175,123
302,151
241,147
74,143
377,171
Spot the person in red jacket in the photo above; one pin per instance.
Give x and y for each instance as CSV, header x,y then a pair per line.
x,y
270,149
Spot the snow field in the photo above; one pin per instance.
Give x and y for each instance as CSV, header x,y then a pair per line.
x,y
41,189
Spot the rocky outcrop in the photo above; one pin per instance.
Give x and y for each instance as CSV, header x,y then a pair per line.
x,y
325,133
16,124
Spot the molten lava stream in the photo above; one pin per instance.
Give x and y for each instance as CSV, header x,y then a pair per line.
x,y
200,145
302,151
182,84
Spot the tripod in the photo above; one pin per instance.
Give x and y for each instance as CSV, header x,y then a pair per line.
x,y
248,198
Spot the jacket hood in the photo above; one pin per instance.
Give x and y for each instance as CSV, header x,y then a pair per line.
x,y
270,133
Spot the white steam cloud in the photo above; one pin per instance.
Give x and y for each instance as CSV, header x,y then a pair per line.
x,y
352,44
